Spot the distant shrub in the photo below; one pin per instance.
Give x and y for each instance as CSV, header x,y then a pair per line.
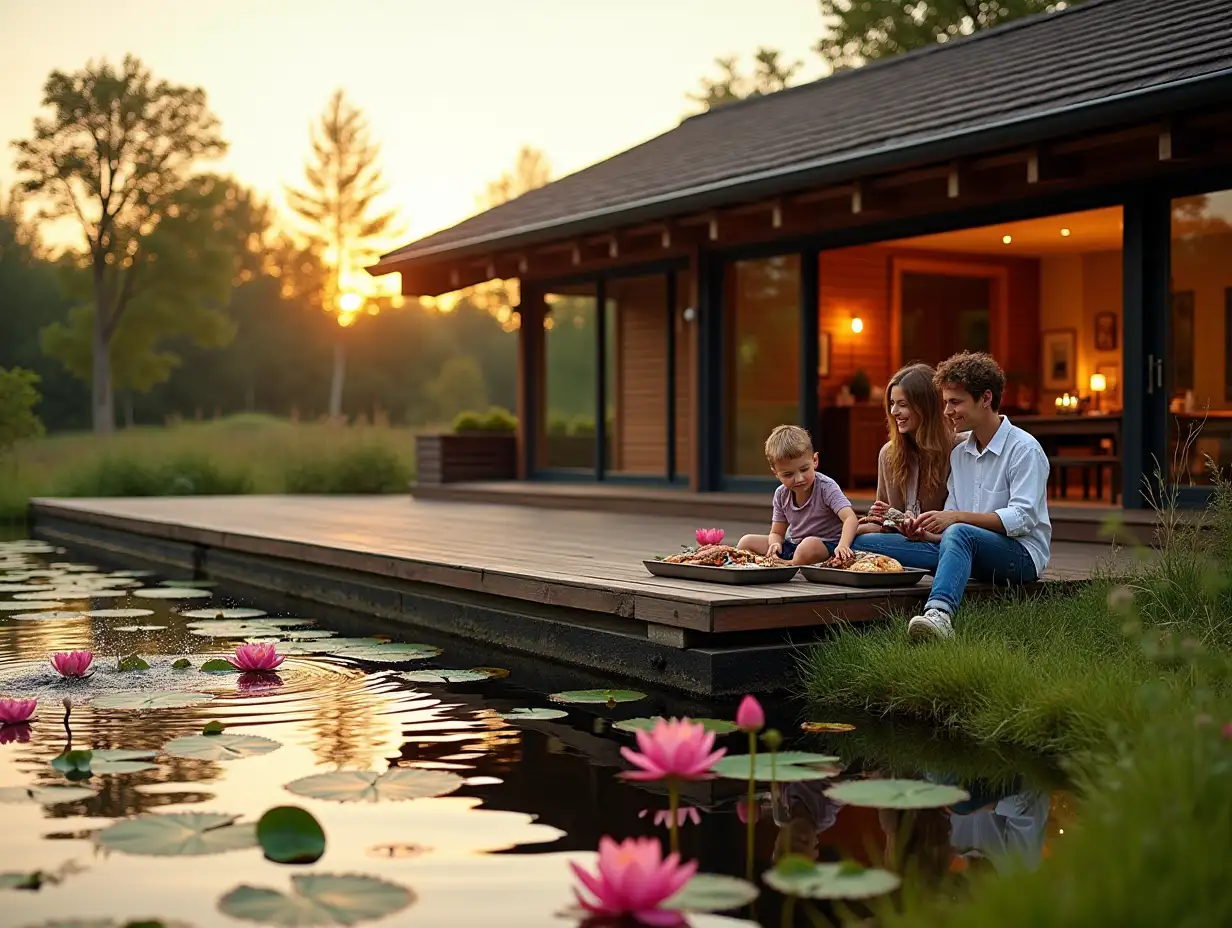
x,y
129,475
496,419
18,397
468,421
366,468
582,425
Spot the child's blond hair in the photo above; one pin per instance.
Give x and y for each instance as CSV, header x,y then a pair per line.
x,y
787,442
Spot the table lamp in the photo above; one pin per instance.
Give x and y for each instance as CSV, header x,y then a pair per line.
x,y
1099,383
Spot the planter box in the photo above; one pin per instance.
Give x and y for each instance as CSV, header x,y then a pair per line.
x,y
466,456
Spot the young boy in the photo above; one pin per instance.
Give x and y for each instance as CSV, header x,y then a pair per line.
x,y
995,525
809,505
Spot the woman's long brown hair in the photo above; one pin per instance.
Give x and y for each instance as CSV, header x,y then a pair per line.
x,y
932,442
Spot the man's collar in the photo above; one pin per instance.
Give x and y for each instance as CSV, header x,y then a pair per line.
x,y
996,444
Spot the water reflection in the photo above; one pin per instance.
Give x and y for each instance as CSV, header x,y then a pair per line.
x,y
537,793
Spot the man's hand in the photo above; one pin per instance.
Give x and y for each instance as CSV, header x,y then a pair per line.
x,y
843,554
936,521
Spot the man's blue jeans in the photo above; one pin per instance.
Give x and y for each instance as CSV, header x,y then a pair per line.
x,y
964,553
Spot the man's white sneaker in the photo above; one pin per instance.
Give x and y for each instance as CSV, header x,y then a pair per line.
x,y
932,624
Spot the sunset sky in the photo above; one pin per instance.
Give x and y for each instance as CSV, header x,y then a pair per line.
x,y
451,89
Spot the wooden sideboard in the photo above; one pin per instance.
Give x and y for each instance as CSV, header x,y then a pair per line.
x,y
848,441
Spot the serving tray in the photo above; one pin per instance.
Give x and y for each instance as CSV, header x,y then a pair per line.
x,y
868,581
735,576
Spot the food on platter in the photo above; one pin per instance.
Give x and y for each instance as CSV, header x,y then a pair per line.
x,y
865,562
892,519
722,556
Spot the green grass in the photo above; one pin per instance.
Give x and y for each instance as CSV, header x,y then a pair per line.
x,y
240,454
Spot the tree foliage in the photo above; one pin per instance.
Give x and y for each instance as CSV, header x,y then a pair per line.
x,y
865,30
115,152
770,74
18,397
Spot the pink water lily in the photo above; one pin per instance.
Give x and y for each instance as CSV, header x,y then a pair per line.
x,y
709,536
634,879
256,657
72,663
19,733
675,749
15,711
683,814
750,717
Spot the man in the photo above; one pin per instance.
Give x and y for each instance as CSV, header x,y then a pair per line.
x,y
995,523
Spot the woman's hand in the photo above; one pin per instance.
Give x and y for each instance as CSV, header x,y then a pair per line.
x,y
879,509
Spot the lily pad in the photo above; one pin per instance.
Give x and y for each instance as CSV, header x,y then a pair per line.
x,y
182,663
176,834
712,892
149,699
444,676
232,629
219,665
223,613
291,835
395,784
494,673
337,645
392,653
601,697
826,727
718,726
46,616
897,794
788,766
119,613
800,877
220,747
213,728
45,795
172,592
188,583
27,606
21,880
80,765
138,628
319,899
518,715
132,573
133,662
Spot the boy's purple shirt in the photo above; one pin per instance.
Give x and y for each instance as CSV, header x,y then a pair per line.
x,y
818,517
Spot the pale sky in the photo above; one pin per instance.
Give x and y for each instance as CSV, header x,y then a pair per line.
x,y
451,88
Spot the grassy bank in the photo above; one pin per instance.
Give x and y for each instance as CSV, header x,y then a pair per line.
x,y
1055,672
240,454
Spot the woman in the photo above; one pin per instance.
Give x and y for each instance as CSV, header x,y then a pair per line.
x,y
914,465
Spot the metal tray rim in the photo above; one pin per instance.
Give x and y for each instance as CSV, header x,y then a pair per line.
x,y
724,575
908,577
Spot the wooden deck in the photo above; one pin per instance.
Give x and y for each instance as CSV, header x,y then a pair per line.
x,y
579,560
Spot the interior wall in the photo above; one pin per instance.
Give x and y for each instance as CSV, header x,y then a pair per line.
x,y
1204,266
1074,289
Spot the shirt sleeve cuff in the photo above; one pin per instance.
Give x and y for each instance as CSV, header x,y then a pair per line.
x,y
1013,520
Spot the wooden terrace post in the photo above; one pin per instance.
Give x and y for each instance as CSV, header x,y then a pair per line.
x,y
810,307
529,380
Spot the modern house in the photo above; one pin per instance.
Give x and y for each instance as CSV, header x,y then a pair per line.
x,y
1057,191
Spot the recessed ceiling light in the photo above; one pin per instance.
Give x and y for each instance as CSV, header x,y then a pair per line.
x,y
1007,239
1065,233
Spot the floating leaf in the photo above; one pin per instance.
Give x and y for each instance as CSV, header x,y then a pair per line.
x,y
225,629
220,747
788,766
79,765
132,573
213,728
188,583
223,613
172,592
897,794
46,616
138,628
443,676
518,715
602,697
305,634
150,699
21,880
317,899
392,653
800,877
337,645
718,726
175,834
291,835
494,673
45,795
712,892
395,784
118,613
825,727
18,607
73,762
182,664
219,665
133,662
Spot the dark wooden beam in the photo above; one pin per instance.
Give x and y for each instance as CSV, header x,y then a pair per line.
x,y
1180,142
1046,166
869,199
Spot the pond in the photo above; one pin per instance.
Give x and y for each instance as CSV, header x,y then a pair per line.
x,y
484,812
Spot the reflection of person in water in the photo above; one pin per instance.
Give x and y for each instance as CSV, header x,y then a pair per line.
x,y
1007,832
815,826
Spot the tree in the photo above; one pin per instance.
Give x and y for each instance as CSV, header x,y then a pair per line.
x,y
18,397
209,240
865,30
339,209
770,74
116,150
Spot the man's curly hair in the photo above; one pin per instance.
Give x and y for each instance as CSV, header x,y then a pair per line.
x,y
973,371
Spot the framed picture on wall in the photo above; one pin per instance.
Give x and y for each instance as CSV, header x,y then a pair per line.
x,y
1059,359
1105,332
823,354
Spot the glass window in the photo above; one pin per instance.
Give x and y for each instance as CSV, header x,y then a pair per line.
x,y
1199,371
570,379
761,300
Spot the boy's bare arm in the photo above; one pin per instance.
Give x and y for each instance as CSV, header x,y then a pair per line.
x,y
851,524
778,531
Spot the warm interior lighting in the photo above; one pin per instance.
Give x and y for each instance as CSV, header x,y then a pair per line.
x,y
1007,239
1099,383
350,302
1065,233
857,324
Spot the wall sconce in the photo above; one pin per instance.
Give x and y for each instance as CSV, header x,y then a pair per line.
x,y
857,325
689,314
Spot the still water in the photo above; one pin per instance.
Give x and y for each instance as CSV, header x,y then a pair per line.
x,y
528,796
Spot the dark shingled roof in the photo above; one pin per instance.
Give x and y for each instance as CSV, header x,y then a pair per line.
x,y
1101,61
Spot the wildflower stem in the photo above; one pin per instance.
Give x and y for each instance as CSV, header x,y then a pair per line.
x,y
673,806
789,912
749,810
